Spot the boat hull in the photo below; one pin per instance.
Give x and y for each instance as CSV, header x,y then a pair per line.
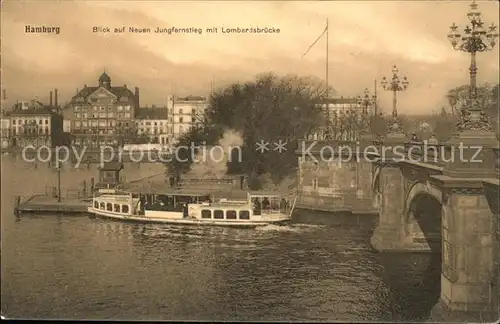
x,y
187,221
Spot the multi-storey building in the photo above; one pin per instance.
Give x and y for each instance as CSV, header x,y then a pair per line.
x,y
33,123
5,130
343,119
154,123
186,112
103,115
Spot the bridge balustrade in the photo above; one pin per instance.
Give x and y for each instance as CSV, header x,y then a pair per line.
x,y
425,152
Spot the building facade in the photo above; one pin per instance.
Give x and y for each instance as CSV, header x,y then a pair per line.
x,y
32,123
103,114
185,113
5,131
154,124
344,119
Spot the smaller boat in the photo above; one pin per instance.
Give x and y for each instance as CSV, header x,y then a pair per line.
x,y
190,207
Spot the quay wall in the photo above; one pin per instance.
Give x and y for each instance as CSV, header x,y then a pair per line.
x,y
335,185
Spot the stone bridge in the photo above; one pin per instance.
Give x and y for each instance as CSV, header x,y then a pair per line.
x,y
427,202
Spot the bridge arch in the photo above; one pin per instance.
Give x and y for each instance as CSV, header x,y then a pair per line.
x,y
420,188
423,215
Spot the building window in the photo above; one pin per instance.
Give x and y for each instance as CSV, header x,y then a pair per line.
x,y
125,209
85,115
96,204
180,111
77,115
95,108
46,121
119,108
244,214
109,207
127,108
218,214
110,115
77,124
206,213
181,120
127,115
77,108
117,208
231,214
102,206
102,115
13,122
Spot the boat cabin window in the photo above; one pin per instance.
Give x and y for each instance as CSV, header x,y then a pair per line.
x,y
205,213
231,214
102,206
109,207
96,204
117,208
125,209
218,214
266,205
244,214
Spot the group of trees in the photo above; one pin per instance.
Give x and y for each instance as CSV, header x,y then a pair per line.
x,y
269,109
272,108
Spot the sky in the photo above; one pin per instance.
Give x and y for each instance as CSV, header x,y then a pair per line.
x,y
366,38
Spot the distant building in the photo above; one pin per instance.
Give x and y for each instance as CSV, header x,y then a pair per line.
x,y
154,123
33,123
342,118
103,115
186,112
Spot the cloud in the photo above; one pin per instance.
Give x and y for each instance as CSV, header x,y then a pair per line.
x,y
365,40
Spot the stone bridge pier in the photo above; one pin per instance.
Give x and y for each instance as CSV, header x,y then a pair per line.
x,y
436,199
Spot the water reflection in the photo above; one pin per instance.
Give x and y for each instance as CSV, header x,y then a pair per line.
x,y
414,282
318,268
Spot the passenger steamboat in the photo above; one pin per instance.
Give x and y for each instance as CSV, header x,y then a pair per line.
x,y
195,207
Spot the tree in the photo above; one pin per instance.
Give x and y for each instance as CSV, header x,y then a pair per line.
x,y
269,109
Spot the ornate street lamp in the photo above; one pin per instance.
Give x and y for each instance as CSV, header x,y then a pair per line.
x,y
395,85
475,39
366,101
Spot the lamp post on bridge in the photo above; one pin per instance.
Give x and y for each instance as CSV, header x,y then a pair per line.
x,y
475,39
395,85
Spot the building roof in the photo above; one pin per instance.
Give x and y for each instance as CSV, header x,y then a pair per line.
x,y
117,91
111,166
104,77
38,109
191,98
340,100
151,113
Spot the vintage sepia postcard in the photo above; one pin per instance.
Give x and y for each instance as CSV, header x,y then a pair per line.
x,y
288,161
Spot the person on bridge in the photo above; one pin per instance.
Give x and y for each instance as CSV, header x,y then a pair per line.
x,y
433,140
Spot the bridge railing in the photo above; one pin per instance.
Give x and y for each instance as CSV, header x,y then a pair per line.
x,y
426,153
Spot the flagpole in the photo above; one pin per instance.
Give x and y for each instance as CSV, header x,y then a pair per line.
x,y
327,88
